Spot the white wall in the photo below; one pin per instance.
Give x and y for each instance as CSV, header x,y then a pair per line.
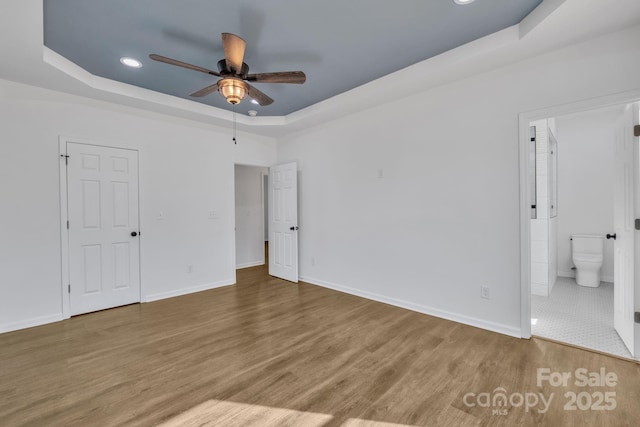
x,y
553,204
186,171
586,174
249,215
444,218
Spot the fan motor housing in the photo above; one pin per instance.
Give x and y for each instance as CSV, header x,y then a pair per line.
x,y
222,68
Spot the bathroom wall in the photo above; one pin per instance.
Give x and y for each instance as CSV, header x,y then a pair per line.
x,y
543,227
552,182
585,160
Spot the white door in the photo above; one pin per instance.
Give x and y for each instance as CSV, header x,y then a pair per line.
x,y
102,191
626,162
283,221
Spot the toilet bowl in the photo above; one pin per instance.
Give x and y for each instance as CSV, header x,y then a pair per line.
x,y
588,254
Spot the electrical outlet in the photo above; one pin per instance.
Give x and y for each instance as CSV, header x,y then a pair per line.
x,y
484,292
189,268
313,261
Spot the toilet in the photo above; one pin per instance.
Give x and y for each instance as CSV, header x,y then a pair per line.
x,y
588,254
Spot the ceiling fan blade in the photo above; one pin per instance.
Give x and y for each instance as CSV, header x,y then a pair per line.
x,y
297,77
205,91
258,96
171,61
233,51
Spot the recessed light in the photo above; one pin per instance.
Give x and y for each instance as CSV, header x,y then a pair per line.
x,y
463,1
131,62
253,101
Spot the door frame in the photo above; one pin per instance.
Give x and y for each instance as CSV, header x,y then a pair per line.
x,y
524,118
64,215
262,202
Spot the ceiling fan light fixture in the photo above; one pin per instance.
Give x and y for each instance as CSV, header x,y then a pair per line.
x,y
234,90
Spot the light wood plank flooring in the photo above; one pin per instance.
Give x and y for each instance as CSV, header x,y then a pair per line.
x,y
269,353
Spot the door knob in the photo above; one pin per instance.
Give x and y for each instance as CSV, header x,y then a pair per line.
x,y
134,234
611,236
293,228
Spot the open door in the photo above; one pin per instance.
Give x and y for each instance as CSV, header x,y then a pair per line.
x,y
626,166
283,221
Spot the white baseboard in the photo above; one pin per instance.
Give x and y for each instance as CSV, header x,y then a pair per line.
x,y
189,290
249,264
572,275
539,290
568,274
432,311
37,321
30,323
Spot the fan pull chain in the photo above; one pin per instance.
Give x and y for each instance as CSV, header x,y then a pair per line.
x,y
234,125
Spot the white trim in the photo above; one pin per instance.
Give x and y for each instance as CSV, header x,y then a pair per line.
x,y
234,250
525,227
572,275
188,290
265,226
539,290
64,233
30,323
250,264
567,274
537,15
432,311
524,118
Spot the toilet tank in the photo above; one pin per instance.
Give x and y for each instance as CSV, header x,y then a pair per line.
x,y
587,243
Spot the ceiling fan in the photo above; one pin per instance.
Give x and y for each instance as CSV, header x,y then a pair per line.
x,y
234,74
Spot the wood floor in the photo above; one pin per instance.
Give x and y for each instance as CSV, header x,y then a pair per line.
x,y
270,353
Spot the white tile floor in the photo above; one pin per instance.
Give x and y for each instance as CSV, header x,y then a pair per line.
x,y
578,315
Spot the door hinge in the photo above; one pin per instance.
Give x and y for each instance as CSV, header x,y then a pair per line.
x,y
69,288
636,316
66,158
67,224
636,130
637,223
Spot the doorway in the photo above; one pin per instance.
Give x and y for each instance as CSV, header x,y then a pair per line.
x,y
250,213
100,227
573,177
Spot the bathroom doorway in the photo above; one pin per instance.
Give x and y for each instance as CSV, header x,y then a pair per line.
x,y
572,175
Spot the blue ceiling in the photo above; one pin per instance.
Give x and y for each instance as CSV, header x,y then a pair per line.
x,y
338,44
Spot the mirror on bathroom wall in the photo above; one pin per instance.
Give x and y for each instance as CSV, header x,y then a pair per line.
x,y
532,172
553,175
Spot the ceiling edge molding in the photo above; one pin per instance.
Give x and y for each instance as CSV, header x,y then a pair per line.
x,y
537,15
149,99
532,36
448,67
441,69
